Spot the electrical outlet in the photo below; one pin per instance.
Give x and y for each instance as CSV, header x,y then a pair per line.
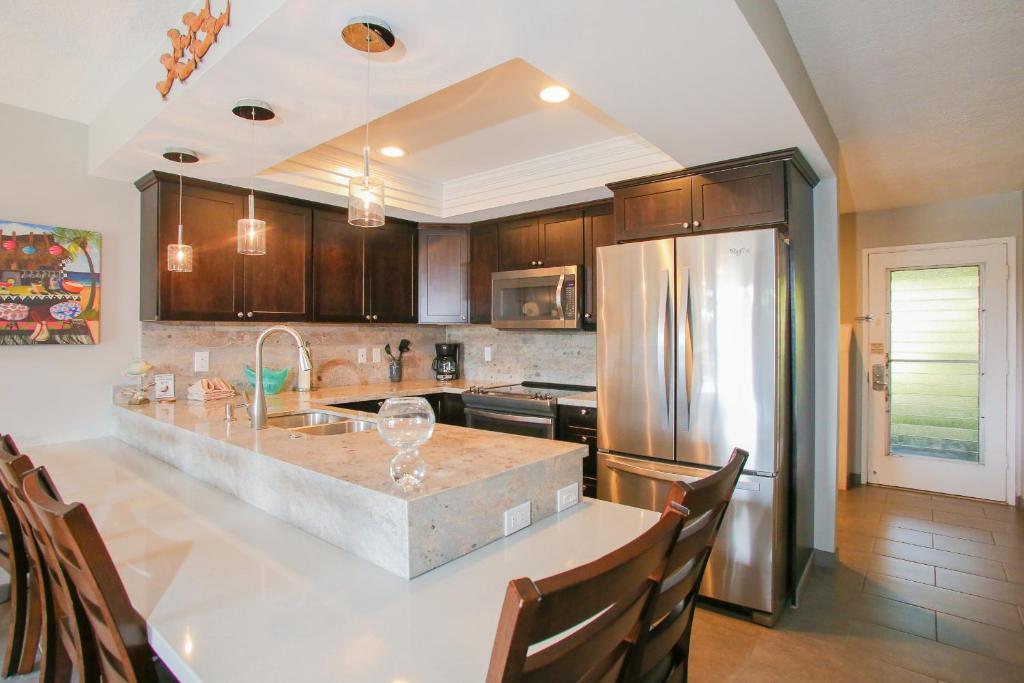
x,y
362,356
517,518
201,361
488,356
567,496
376,354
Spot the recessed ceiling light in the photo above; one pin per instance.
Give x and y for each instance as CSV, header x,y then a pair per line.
x,y
554,93
393,152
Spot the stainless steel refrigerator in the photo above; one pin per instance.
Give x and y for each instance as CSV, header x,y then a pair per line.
x,y
693,360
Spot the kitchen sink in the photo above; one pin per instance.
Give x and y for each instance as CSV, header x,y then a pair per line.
x,y
319,423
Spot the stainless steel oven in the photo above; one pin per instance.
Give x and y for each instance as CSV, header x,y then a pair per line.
x,y
541,426
538,298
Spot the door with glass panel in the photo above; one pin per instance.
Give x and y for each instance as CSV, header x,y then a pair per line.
x,y
937,364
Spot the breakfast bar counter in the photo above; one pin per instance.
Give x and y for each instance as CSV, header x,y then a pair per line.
x,y
233,594
338,487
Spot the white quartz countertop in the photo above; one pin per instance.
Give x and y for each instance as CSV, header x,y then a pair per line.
x,y
231,593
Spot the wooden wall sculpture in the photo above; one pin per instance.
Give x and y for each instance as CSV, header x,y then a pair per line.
x,y
200,34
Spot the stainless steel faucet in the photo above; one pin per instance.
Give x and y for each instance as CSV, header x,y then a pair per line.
x,y
258,413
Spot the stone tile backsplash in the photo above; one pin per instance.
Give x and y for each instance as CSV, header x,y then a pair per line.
x,y
567,357
549,356
170,347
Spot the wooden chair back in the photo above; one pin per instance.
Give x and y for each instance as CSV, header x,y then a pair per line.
x,y
24,628
118,632
663,640
594,608
68,641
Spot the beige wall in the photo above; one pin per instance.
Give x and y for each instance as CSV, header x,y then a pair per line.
x,y
58,393
998,215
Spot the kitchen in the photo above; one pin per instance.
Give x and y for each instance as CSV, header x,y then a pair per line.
x,y
378,343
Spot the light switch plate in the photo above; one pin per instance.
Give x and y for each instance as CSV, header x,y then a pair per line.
x,y
488,356
517,518
362,355
567,496
376,354
201,361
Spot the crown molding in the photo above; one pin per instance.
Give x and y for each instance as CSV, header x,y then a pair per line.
x,y
328,169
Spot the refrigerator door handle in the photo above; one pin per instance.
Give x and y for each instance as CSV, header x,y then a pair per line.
x,y
663,332
685,348
647,472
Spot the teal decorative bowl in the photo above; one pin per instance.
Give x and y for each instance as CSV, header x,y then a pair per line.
x,y
273,380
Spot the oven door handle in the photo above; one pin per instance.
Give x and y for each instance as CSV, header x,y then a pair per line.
x,y
510,418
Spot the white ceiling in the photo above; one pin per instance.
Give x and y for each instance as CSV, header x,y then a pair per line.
x,y
664,106
926,97
69,58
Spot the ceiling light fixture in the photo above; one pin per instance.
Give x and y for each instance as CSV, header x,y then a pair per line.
x,y
252,232
393,152
554,94
366,194
179,256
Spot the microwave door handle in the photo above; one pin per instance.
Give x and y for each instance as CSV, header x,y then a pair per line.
x,y
558,296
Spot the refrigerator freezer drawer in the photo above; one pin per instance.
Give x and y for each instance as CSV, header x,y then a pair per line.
x,y
748,562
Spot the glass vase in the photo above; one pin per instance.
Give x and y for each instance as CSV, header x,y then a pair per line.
x,y
406,423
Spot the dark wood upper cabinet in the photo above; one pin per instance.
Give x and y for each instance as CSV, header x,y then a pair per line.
x,y
653,209
279,284
561,239
444,274
338,270
213,290
519,244
741,197
483,260
598,231
391,272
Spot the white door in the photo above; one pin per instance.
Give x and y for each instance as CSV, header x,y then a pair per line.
x,y
937,362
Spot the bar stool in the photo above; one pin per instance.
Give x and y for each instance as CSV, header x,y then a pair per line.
x,y
594,609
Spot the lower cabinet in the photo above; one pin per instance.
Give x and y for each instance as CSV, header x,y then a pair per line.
x,y
448,408
453,410
579,425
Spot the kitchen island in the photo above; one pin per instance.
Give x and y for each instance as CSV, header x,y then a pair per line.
x,y
338,487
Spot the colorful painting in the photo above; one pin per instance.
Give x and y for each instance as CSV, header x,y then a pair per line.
x,y
49,285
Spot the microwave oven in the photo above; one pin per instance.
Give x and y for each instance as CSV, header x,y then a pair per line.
x,y
538,298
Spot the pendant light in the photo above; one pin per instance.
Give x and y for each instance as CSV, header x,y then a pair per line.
x,y
179,255
366,194
252,232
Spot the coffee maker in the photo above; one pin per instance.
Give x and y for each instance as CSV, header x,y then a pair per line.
x,y
446,362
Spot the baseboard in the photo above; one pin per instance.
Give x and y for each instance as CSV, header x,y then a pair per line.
x,y
852,480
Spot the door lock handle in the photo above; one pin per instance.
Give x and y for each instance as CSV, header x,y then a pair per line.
x,y
879,382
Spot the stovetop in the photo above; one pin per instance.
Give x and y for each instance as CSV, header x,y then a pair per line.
x,y
529,391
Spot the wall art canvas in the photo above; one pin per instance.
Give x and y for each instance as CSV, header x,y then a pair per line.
x,y
49,285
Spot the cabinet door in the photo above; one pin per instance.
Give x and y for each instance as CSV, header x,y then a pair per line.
x,y
279,284
740,197
598,231
338,270
518,244
453,410
653,210
444,275
391,273
483,260
561,239
213,290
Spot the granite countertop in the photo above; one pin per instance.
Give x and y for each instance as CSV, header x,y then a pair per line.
x,y
455,456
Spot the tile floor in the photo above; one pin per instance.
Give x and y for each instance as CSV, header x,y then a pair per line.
x,y
928,588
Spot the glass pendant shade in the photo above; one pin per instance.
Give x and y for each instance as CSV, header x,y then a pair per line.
x,y
365,202
252,233
179,256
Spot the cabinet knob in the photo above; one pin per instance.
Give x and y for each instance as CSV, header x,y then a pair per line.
x,y
686,225
463,317
696,224
367,317
375,317
584,411
588,316
241,315
540,263
533,263
249,314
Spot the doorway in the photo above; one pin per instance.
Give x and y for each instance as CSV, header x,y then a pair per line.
x,y
940,344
